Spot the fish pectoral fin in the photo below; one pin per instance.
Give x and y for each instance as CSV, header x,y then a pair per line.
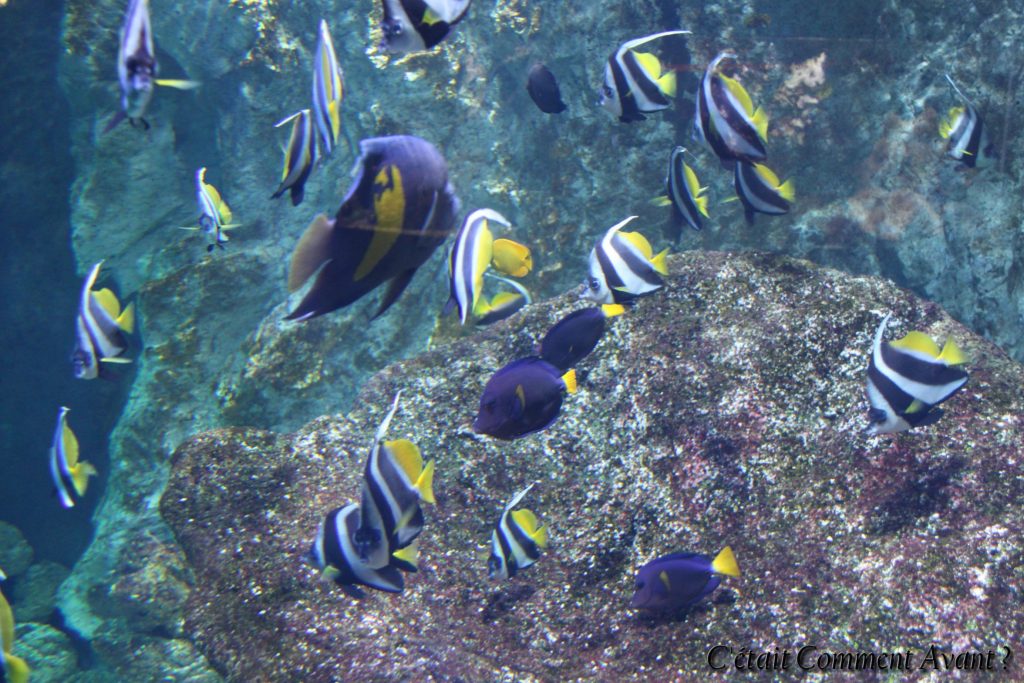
x,y
395,289
179,84
312,252
663,200
116,359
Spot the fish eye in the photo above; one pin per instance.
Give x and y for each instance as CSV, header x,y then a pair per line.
x,y
606,91
593,283
393,29
490,405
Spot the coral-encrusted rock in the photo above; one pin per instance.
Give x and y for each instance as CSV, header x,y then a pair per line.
x,y
727,409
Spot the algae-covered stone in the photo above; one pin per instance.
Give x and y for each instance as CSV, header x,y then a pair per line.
x,y
35,595
15,552
726,409
48,652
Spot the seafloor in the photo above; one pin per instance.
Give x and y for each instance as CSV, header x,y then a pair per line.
x,y
726,409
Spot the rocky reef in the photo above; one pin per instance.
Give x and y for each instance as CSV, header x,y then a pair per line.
x,y
727,409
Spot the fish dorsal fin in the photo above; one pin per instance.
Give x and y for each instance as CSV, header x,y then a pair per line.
x,y
917,341
640,242
570,381
649,63
70,443
951,354
660,263
740,93
612,310
526,520
725,563
311,253
760,121
108,302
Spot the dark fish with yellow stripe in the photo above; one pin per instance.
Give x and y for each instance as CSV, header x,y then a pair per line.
x,y
517,540
759,190
726,120
635,82
100,329
299,156
572,338
523,397
398,210
962,127
70,475
907,378
681,580
417,25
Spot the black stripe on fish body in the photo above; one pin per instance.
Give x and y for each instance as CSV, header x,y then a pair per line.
x,y
968,134
711,135
931,373
627,102
649,98
508,555
432,34
400,496
755,194
611,277
339,527
899,401
684,208
525,543
739,129
637,265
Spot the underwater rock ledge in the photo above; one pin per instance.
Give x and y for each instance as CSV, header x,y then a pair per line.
x,y
726,409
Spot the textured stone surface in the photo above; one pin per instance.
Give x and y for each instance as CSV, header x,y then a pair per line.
x,y
15,552
727,409
35,595
48,652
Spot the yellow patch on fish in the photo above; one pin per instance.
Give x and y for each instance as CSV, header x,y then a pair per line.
x,y
511,258
389,212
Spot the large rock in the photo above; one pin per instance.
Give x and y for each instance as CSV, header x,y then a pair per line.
x,y
727,409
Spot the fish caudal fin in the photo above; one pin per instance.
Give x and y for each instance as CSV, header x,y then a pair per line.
x,y
667,84
612,310
80,476
725,563
311,252
951,354
760,120
17,669
787,191
660,263
663,200
408,557
570,381
425,484
702,205
126,321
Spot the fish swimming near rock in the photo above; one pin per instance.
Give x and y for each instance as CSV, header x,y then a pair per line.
x,y
907,378
681,580
214,213
683,192
635,83
417,25
516,541
962,127
398,210
100,329
13,669
503,305
759,190
572,338
543,89
521,398
470,255
395,480
726,120
511,258
328,89
623,267
334,554
299,156
70,475
137,67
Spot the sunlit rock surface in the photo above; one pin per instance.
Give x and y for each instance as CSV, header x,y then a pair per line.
x,y
727,409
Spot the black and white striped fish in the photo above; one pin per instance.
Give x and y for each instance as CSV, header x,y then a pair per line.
x,y
516,541
394,482
726,120
328,90
470,255
760,191
962,127
99,329
334,553
623,266
634,83
907,378
70,475
299,156
684,192
417,25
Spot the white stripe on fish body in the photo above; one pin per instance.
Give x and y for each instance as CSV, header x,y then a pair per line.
x,y
644,104
328,87
136,44
207,206
301,151
750,186
93,341
893,423
340,535
471,254
58,462
503,528
614,249
963,130
925,393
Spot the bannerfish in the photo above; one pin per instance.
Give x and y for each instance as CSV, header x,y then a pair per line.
x,y
684,193
70,476
511,258
99,329
214,212
503,305
516,541
470,255
334,554
907,378
543,89
523,397
417,25
634,83
328,90
760,191
12,668
394,482
725,119
623,267
962,127
573,337
398,210
681,580
137,67
299,156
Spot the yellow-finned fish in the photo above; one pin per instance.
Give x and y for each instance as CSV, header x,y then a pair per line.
x,y
70,475
760,190
516,541
726,120
328,90
100,329
503,305
214,213
511,258
623,267
684,193
299,156
12,668
470,255
634,83
417,25
962,127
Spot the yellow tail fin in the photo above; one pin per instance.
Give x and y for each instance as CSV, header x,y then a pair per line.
x,y
760,121
180,84
409,553
126,321
612,310
570,381
725,563
80,476
786,191
667,84
951,354
425,484
660,263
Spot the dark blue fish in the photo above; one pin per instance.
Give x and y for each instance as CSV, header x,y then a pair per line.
x,y
523,397
573,337
399,209
543,89
681,580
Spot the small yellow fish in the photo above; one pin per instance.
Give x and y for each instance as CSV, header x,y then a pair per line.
x,y
511,258
14,669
